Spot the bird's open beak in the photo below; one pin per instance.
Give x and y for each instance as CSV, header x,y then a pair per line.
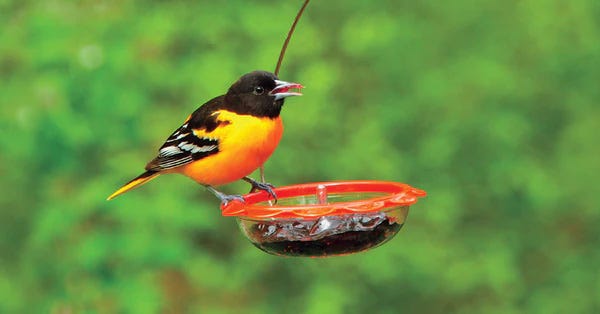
x,y
282,89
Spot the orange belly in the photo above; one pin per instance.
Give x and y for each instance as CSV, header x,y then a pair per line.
x,y
244,145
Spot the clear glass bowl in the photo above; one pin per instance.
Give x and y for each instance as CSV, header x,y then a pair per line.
x,y
324,219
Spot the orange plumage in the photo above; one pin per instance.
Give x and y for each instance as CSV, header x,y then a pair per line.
x,y
244,145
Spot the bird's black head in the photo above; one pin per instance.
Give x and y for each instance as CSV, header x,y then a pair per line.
x,y
260,93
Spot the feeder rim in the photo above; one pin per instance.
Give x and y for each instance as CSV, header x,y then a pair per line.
x,y
397,194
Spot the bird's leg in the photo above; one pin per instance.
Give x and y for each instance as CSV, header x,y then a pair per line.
x,y
262,179
268,187
224,197
262,174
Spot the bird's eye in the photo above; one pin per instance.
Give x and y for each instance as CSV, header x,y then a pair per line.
x,y
258,90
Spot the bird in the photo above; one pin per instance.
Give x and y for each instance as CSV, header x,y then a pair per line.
x,y
226,138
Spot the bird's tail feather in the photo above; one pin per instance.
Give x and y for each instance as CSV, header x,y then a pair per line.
x,y
141,179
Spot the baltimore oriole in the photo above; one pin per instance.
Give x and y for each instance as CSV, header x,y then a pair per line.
x,y
227,138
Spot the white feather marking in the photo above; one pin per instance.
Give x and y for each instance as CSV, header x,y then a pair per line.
x,y
176,162
169,151
196,149
177,136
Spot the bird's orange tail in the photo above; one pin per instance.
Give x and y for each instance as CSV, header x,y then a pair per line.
x,y
141,179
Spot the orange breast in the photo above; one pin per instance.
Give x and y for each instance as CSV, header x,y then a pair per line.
x,y
244,145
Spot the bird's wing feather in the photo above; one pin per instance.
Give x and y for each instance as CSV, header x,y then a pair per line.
x,y
184,145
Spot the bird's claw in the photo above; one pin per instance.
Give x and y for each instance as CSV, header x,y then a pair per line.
x,y
225,199
267,187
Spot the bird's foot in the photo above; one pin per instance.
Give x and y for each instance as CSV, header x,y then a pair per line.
x,y
260,186
225,198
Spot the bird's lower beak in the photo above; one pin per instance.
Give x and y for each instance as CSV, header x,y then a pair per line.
x,y
283,89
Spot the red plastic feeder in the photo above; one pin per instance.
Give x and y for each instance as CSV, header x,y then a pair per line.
x,y
326,218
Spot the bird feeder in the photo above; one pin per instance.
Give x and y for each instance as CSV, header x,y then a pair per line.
x,y
324,219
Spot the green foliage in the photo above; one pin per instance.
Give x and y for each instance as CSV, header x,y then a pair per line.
x,y
490,106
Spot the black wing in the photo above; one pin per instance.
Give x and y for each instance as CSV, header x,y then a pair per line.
x,y
183,146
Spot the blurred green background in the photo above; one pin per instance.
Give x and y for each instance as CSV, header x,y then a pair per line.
x,y
490,106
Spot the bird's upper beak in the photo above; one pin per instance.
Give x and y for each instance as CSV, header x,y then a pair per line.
x,y
282,89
